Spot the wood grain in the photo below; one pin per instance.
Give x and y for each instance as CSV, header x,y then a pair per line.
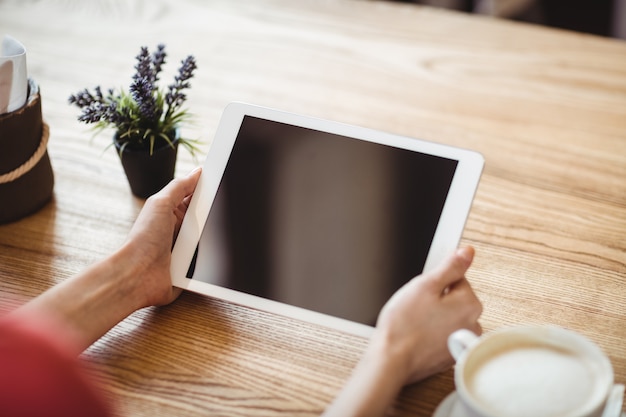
x,y
547,109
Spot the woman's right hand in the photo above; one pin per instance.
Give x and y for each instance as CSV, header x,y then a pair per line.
x,y
414,325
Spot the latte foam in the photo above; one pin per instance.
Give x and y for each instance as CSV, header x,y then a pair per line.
x,y
538,381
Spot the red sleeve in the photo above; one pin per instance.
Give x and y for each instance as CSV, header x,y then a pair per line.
x,y
38,377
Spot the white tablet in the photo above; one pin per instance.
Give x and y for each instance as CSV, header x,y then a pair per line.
x,y
318,220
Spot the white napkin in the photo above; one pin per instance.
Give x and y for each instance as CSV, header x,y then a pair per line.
x,y
13,76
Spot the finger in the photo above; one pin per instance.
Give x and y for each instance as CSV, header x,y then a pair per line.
x,y
478,329
179,212
181,209
462,290
466,303
453,268
460,287
180,188
175,292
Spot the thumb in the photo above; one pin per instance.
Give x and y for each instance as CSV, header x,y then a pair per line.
x,y
180,188
453,268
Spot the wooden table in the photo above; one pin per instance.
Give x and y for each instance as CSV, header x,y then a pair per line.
x,y
546,108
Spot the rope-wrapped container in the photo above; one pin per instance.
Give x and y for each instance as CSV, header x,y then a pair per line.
x,y
26,178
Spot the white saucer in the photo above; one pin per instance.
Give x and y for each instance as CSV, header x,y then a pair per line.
x,y
449,407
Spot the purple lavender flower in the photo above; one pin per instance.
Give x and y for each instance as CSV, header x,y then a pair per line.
x,y
82,98
139,113
91,113
158,59
175,97
144,64
143,92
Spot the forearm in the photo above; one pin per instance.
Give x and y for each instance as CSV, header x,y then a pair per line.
x,y
92,302
137,275
373,386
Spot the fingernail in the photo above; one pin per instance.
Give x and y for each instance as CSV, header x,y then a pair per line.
x,y
193,171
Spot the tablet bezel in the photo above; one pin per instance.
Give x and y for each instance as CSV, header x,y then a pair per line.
x,y
446,239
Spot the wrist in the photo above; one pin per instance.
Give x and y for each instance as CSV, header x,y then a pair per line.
x,y
130,293
375,382
393,358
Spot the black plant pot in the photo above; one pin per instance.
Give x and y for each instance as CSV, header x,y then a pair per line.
x,y
146,173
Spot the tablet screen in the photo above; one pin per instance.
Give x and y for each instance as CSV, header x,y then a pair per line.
x,y
325,222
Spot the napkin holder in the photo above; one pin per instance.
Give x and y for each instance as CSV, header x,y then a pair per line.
x,y
26,178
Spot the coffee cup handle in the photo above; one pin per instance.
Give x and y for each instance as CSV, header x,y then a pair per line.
x,y
613,406
460,341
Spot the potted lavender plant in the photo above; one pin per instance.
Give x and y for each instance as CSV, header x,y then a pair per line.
x,y
146,120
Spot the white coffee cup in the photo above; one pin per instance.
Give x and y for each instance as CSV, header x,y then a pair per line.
x,y
533,371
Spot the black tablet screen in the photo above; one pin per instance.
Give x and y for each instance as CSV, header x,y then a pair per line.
x,y
324,222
